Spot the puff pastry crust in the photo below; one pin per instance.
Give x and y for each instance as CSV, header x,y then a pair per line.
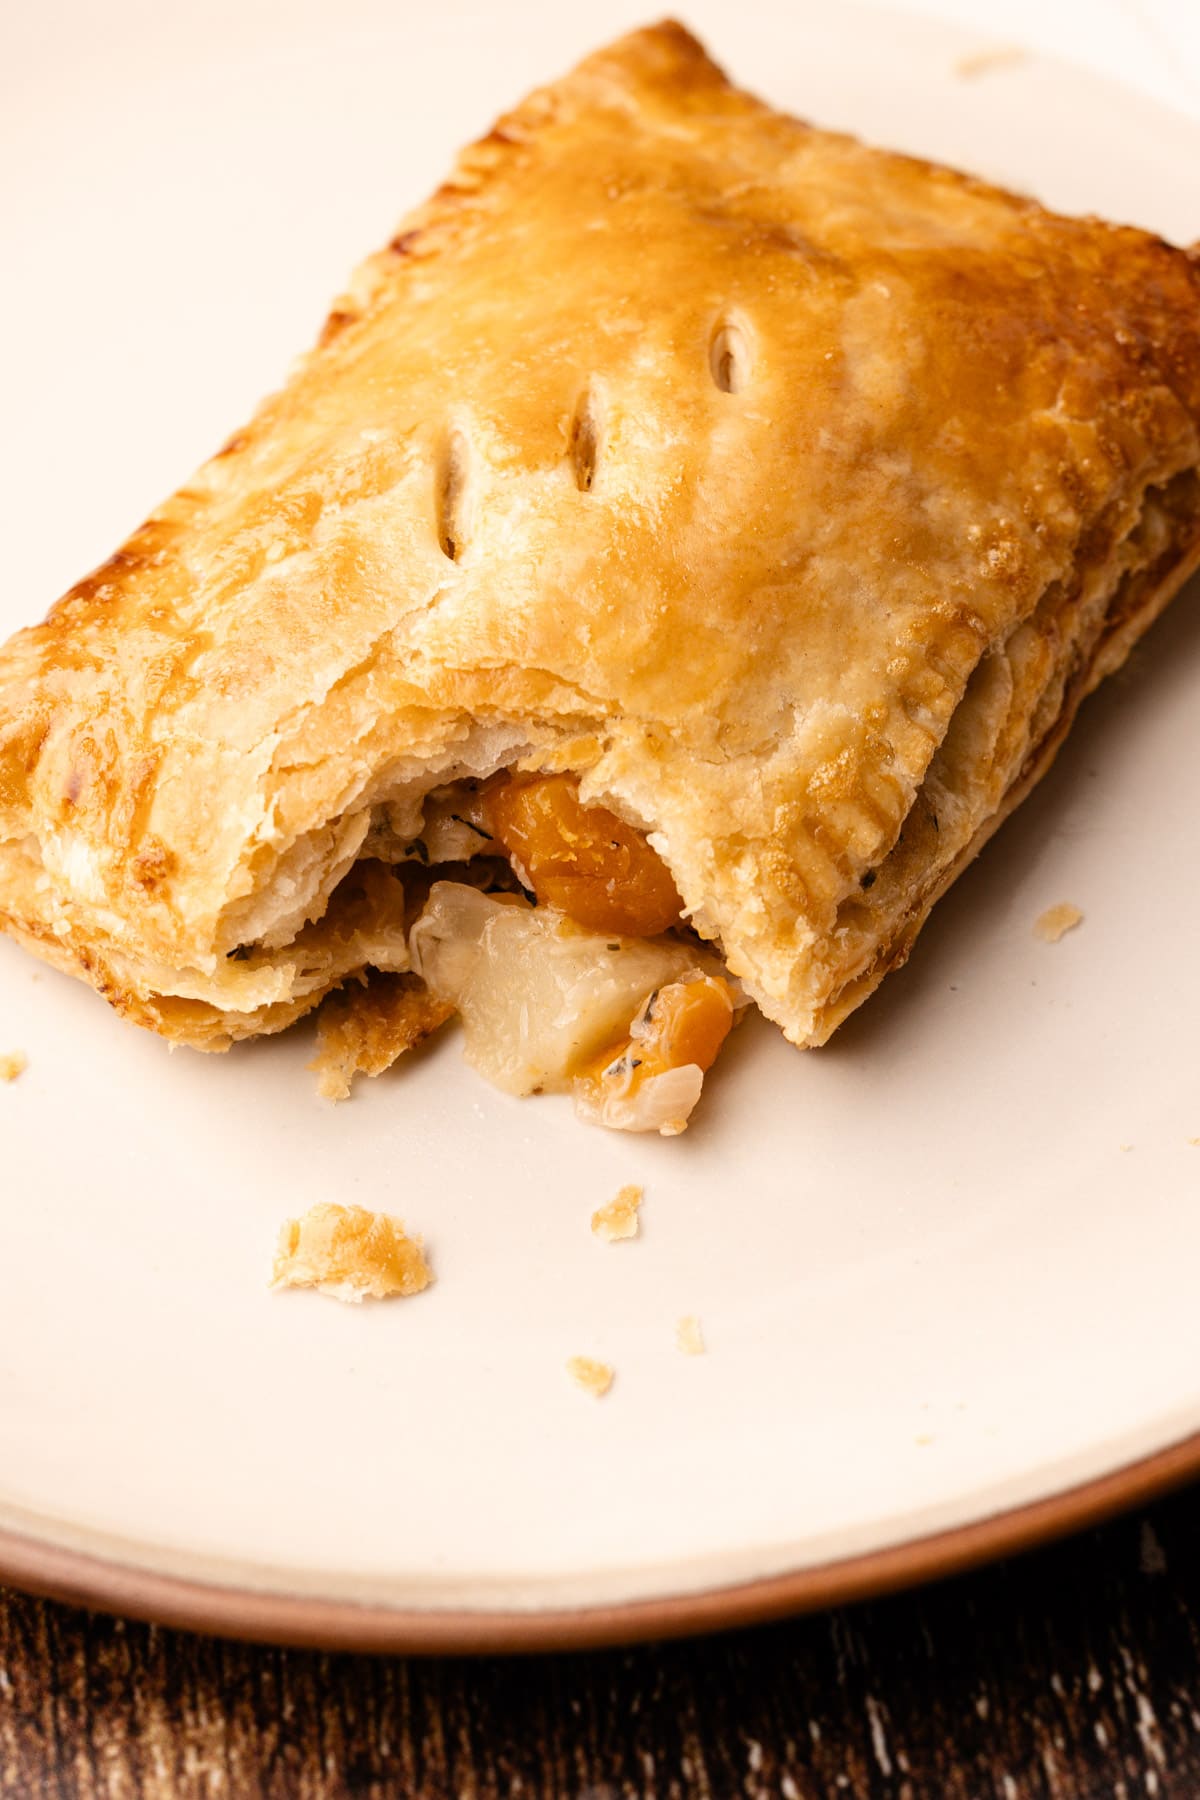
x,y
790,493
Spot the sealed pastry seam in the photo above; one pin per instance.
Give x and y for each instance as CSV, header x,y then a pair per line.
x,y
791,548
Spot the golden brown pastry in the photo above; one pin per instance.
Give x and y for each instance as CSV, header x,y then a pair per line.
x,y
595,1378
786,494
350,1253
364,1028
617,1219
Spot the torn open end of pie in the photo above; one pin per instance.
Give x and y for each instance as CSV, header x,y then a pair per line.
x,y
692,535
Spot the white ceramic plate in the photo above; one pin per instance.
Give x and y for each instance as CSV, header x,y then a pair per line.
x,y
946,1268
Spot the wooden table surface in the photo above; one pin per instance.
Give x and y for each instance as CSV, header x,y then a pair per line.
x,y
1072,1672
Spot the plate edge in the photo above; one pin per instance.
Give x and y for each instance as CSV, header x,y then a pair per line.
x,y
76,1578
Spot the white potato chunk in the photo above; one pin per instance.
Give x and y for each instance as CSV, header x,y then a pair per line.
x,y
538,996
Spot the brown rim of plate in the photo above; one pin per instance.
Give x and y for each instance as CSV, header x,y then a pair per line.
x,y
79,1579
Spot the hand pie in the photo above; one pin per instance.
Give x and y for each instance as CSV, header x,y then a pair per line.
x,y
695,523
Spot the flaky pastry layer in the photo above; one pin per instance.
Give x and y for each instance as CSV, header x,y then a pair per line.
x,y
789,492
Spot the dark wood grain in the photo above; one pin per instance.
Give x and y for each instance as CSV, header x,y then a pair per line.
x,y
1072,1673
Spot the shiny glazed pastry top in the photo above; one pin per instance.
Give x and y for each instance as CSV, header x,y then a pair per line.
x,y
783,494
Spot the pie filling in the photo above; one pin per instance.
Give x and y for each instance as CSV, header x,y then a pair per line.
x,y
562,947
552,929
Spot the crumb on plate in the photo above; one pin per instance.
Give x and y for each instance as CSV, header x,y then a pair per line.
x,y
12,1064
363,1028
618,1218
688,1336
1056,921
350,1254
986,62
593,1377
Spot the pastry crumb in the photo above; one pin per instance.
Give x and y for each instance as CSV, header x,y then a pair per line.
x,y
363,1029
618,1218
1056,921
12,1064
350,1254
1195,1143
925,1438
688,1336
593,1377
986,62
